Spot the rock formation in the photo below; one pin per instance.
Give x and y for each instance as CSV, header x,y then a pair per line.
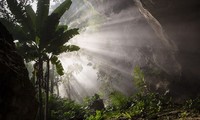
x,y
180,20
17,95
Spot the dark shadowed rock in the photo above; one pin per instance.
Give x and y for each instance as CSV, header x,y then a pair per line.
x,y
17,95
97,104
181,21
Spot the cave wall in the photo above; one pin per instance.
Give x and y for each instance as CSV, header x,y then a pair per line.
x,y
180,20
17,95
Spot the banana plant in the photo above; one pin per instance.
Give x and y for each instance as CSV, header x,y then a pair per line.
x,y
40,37
38,32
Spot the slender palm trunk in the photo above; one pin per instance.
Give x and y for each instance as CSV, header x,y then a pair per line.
x,y
52,80
47,92
40,78
57,87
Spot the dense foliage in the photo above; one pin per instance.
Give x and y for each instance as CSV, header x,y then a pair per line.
x,y
143,105
149,106
40,38
61,109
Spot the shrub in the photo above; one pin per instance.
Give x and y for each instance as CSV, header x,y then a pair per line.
x,y
65,109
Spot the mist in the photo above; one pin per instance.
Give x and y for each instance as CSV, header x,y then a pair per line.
x,y
116,36
99,59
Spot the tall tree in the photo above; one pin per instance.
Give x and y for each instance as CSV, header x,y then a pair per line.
x,y
40,38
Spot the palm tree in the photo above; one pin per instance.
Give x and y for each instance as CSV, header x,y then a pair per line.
x,y
40,38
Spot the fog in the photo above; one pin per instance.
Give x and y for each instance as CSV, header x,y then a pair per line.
x,y
115,36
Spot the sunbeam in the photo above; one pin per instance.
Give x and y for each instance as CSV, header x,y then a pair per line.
x,y
112,40
99,59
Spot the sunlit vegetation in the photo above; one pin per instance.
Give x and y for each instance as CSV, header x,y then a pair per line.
x,y
40,39
143,105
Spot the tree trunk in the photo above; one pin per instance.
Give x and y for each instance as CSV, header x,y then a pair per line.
x,y
52,80
47,92
58,94
57,88
40,78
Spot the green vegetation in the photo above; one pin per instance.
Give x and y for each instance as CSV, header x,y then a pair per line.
x,y
149,106
140,106
63,109
41,39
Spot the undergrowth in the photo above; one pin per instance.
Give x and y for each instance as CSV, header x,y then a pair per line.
x,y
144,105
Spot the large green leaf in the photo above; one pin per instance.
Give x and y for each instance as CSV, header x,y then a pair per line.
x,y
60,10
59,67
16,31
49,29
62,49
31,21
52,22
42,8
61,39
54,31
71,48
51,36
42,14
21,16
62,28
17,10
28,52
31,13
66,36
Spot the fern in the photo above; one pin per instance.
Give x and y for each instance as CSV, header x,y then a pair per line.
x,y
138,78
